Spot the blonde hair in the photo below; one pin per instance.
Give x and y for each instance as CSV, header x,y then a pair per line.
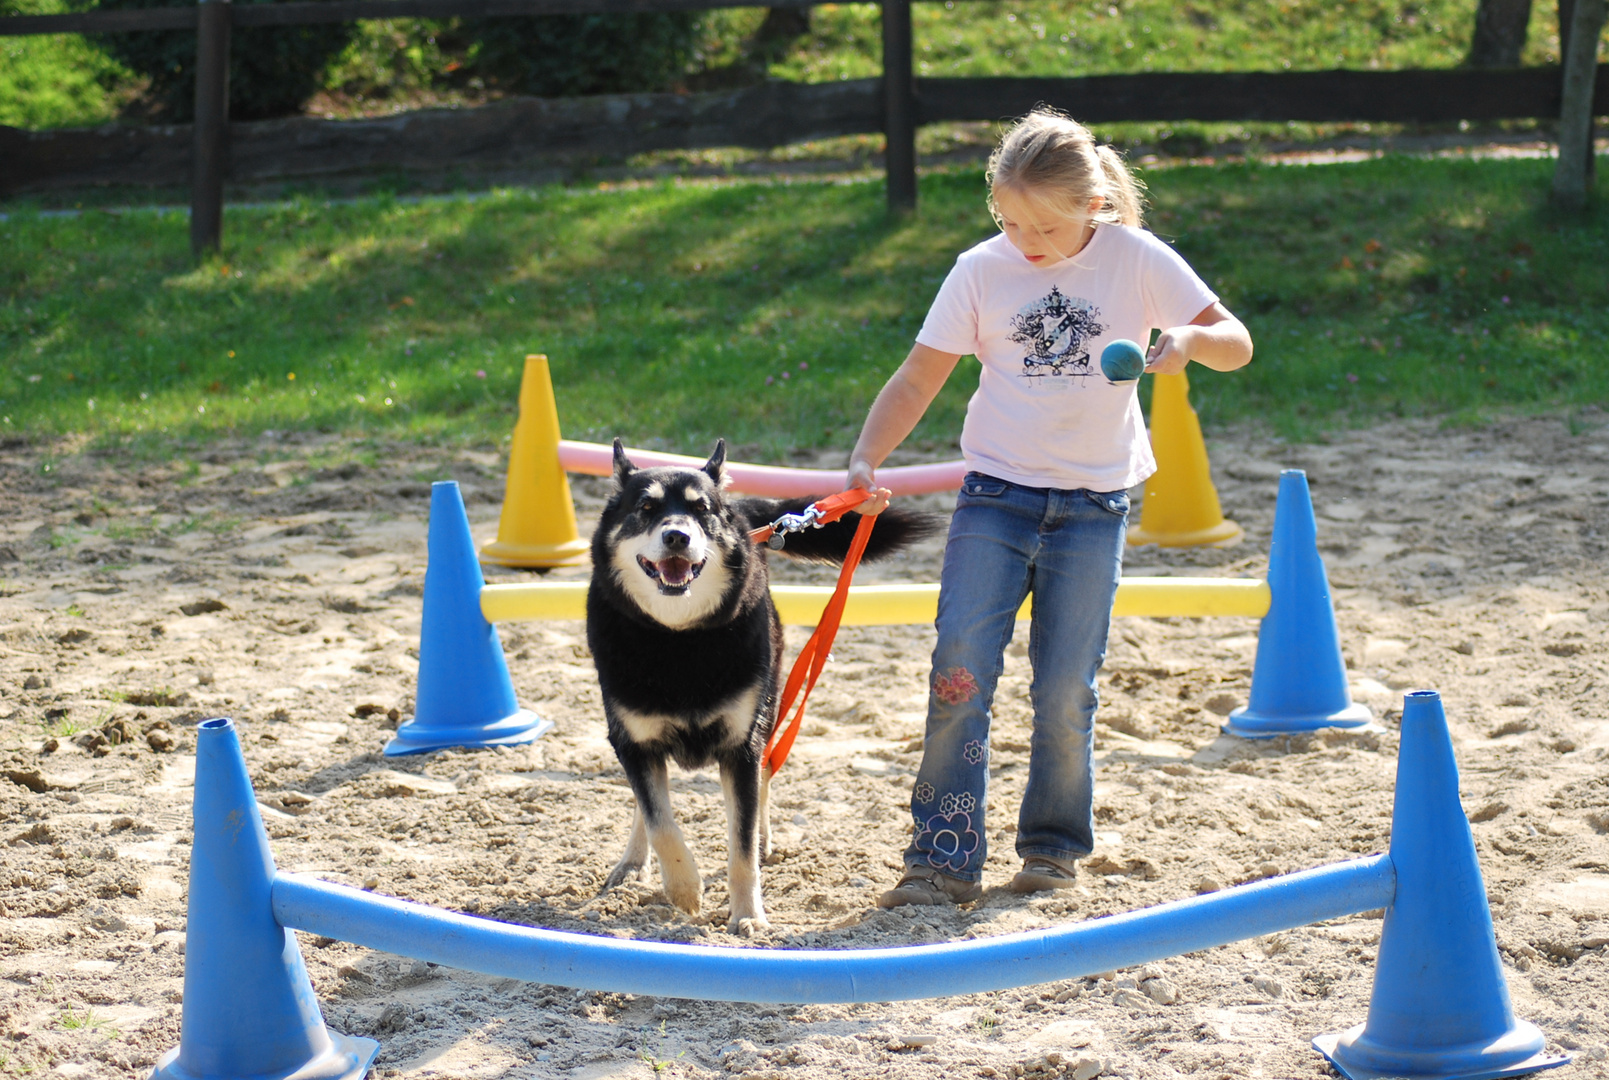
x,y
1053,160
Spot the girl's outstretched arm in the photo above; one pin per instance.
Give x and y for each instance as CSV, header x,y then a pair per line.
x,y
1214,338
899,405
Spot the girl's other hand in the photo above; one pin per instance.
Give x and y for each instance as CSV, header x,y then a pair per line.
x,y
1170,354
863,476
1214,339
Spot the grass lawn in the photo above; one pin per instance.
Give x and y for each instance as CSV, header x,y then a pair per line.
x,y
771,313
1086,37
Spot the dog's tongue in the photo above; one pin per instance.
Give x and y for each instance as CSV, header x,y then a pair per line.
x,y
674,571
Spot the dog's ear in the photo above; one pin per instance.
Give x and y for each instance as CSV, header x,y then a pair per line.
x,y
623,466
715,467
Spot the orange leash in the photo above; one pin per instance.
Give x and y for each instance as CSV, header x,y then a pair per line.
x,y
813,657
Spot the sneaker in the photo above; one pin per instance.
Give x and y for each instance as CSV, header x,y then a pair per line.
x,y
1040,873
929,887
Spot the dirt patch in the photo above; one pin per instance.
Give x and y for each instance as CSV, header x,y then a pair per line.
x,y
268,584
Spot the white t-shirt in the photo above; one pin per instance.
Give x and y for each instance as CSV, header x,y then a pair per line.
x,y
1044,415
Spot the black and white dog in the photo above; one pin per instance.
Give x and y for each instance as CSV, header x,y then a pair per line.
x,y
688,648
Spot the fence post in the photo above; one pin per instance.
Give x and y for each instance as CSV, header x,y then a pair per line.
x,y
899,107
1572,176
211,125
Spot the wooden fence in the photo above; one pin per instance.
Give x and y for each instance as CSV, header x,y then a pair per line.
x,y
771,114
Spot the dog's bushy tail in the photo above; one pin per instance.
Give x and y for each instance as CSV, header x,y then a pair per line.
x,y
896,530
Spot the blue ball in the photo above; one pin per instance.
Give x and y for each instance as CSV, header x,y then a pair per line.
x,y
1122,361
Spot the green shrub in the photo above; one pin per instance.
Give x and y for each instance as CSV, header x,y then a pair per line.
x,y
55,80
568,55
392,59
272,69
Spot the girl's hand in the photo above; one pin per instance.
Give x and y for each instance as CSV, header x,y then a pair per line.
x,y
1172,350
863,476
1214,339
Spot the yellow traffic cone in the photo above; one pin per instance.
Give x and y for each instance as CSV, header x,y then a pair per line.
x,y
538,523
1181,505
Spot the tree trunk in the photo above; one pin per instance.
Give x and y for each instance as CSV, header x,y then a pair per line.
x,y
1573,175
781,28
1499,37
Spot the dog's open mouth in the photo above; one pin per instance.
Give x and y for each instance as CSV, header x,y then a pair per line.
x,y
674,574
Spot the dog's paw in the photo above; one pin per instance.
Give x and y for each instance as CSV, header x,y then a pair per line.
x,y
624,872
686,893
747,926
746,911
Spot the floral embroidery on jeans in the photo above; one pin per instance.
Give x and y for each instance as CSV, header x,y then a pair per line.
x,y
924,792
950,840
974,752
957,687
965,802
949,804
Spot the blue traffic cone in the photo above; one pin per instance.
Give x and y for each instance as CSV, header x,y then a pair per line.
x,y
1440,1008
1299,681
249,1010
464,696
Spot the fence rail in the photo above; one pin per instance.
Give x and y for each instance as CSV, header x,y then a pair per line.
x,y
525,133
1318,96
304,12
524,130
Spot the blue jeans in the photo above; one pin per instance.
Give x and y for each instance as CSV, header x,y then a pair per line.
x,y
1065,547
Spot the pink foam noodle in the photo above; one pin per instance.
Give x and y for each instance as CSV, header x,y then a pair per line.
x,y
775,481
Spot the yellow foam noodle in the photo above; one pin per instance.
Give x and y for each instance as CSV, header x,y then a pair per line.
x,y
891,605
867,605
537,527
1181,507
1165,597
536,601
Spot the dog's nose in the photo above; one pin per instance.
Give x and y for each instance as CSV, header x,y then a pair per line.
x,y
674,539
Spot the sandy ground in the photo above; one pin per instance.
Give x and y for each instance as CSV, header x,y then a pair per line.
x,y
279,584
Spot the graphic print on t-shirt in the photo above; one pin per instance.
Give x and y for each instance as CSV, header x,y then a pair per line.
x,y
1056,330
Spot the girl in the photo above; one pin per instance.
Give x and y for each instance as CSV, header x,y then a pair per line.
x,y
1052,448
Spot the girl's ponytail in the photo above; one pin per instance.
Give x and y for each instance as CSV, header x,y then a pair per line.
x,y
1124,192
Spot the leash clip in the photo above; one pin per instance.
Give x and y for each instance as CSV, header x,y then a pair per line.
x,y
792,523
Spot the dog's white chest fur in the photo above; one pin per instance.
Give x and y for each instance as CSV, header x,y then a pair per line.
x,y
735,716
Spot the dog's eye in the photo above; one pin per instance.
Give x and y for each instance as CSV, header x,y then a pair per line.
x,y
649,506
699,506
